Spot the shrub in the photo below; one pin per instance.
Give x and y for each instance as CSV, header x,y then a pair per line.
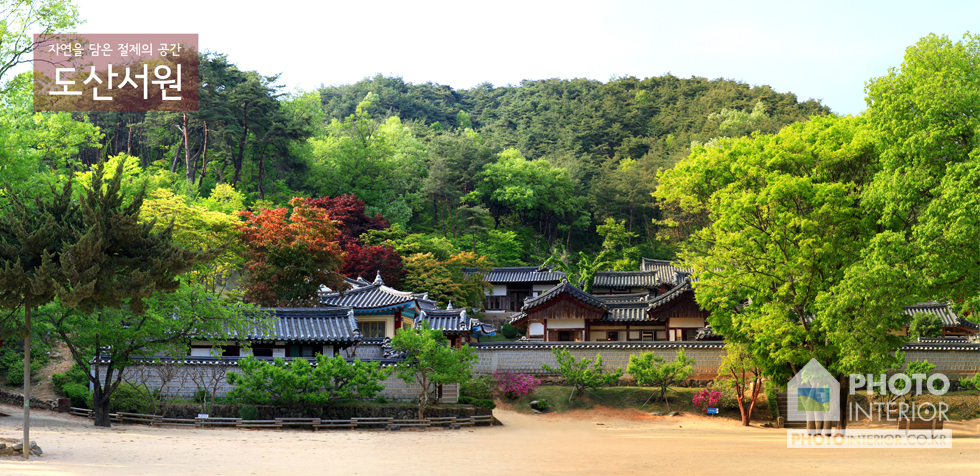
x,y
76,374
510,331
581,374
704,398
128,399
248,412
515,385
202,395
971,384
477,388
478,402
78,394
651,370
381,399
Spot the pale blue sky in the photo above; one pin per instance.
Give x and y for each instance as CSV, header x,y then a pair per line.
x,y
823,50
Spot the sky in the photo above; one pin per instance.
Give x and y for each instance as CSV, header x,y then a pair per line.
x,y
821,50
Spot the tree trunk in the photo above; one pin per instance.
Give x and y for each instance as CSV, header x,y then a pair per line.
x,y
844,392
204,156
188,169
101,405
27,383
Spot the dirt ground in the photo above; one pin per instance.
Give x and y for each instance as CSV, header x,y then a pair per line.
x,y
599,441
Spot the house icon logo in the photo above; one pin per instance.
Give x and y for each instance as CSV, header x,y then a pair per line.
x,y
815,392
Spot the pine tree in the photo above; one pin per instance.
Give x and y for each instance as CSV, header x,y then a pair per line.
x,y
87,253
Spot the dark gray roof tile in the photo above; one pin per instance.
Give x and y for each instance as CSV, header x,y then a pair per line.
x,y
944,311
563,288
314,325
520,274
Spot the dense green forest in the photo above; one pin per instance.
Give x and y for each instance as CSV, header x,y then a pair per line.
x,y
541,163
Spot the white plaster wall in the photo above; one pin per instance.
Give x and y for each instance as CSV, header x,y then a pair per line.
x,y
535,329
200,352
539,288
279,352
327,350
499,290
686,322
566,323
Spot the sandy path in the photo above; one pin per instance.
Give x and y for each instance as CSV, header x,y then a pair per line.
x,y
592,443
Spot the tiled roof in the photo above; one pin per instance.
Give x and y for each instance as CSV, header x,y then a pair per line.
x,y
446,320
623,298
667,271
367,297
944,311
314,325
601,345
522,274
669,296
563,288
627,279
627,312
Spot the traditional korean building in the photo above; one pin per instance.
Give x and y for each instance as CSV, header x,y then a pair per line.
x,y
953,325
455,324
297,332
511,285
380,310
566,313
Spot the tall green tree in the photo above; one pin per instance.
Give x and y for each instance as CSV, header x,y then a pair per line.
x,y
787,222
20,19
431,361
90,254
924,117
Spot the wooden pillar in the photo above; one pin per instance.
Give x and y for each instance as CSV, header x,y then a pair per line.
x,y
628,332
544,322
398,320
588,333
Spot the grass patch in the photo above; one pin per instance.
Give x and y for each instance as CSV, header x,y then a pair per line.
x,y
626,398
963,404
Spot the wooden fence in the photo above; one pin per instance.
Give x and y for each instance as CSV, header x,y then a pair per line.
x,y
388,423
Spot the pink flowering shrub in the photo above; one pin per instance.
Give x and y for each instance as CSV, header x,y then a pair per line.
x,y
515,385
704,399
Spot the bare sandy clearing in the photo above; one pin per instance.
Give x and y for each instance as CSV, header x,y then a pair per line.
x,y
601,441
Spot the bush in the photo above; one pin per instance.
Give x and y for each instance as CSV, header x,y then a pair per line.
x,y
704,399
510,331
202,395
12,359
971,384
15,373
248,412
78,394
74,375
515,385
128,399
476,388
478,402
581,374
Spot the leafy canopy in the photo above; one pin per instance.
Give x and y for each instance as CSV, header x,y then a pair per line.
x,y
430,361
298,384
289,255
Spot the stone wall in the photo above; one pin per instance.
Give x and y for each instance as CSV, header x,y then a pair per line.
x,y
335,412
528,358
192,375
17,399
954,360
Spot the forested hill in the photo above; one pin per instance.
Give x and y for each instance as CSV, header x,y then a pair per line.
x,y
524,168
580,117
588,127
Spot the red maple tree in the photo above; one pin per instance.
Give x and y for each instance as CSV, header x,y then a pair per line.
x,y
289,255
360,260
